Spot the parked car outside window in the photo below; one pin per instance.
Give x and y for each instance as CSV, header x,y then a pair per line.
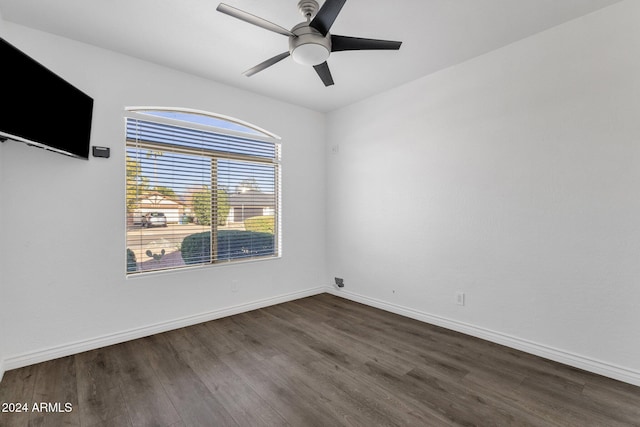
x,y
154,219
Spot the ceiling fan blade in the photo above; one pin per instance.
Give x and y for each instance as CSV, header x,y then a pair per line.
x,y
324,73
252,19
339,43
326,15
266,64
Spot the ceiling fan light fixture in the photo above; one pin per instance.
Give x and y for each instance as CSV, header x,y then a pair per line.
x,y
308,46
310,54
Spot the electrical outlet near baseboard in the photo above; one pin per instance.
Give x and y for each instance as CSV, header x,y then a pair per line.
x,y
460,298
339,282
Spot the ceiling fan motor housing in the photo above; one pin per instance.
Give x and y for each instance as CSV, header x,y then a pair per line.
x,y
310,47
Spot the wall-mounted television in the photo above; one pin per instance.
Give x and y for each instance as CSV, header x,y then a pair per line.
x,y
40,108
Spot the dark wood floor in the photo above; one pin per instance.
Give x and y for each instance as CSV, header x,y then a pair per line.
x,y
318,361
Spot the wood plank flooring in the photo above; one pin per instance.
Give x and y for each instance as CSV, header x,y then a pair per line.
x,y
318,361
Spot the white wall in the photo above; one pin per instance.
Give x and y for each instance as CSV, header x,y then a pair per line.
x,y
514,178
3,298
63,219
2,291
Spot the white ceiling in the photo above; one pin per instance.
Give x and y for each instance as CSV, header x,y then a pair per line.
x,y
190,35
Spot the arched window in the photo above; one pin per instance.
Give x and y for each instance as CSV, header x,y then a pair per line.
x,y
201,189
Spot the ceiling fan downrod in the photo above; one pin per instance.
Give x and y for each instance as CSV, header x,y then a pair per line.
x,y
308,8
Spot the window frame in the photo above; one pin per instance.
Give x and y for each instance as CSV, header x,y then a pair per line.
x,y
257,134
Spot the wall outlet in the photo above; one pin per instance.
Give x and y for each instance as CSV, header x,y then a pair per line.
x,y
339,282
460,298
234,286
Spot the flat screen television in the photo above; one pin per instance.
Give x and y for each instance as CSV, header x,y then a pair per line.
x,y
40,108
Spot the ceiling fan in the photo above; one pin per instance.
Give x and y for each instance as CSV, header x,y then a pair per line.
x,y
310,42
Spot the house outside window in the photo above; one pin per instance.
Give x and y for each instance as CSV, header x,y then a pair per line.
x,y
201,190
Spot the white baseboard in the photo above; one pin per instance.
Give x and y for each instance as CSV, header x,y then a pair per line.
x,y
598,367
51,353
595,366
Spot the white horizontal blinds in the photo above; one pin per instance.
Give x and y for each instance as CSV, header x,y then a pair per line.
x,y
251,189
216,192
169,197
